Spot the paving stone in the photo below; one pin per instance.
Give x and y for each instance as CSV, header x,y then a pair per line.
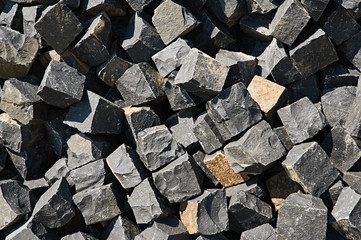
x,y
55,207
181,125
220,168
283,136
111,7
246,211
169,228
339,75
58,26
31,230
335,190
140,84
352,6
155,206
126,166
89,114
34,161
336,104
352,179
302,120
62,85
98,204
315,7
298,216
83,149
198,158
138,5
309,56
78,236
254,186
199,217
352,124
262,232
260,6
257,25
308,165
201,73
242,67
57,171
227,12
16,136
255,151
92,47
15,201
120,228
289,20
157,147
307,87
138,119
279,187
141,40
171,57
11,15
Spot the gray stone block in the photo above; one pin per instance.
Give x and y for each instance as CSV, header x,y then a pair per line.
x,y
30,230
138,5
253,186
352,179
37,186
227,12
335,190
120,228
315,7
352,124
57,171
262,232
112,7
198,158
260,6
351,50
283,136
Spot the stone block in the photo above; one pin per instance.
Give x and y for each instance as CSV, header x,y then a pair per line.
x,y
227,12
120,228
305,87
352,124
352,6
111,7
262,232
257,26
339,75
260,6
254,186
315,7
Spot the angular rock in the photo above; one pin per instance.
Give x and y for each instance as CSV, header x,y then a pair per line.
x,y
126,166
15,201
351,50
257,26
138,5
140,84
253,186
120,228
352,124
302,120
57,171
283,136
227,12
315,7
289,21
37,186
199,217
30,16
98,204
11,16
89,115
58,26
336,104
31,230
262,232
154,206
260,6
242,67
55,207
308,165
220,168
111,7
255,151
310,55
141,40
353,7
339,75
246,211
171,57
335,190
307,87
92,47
198,158
78,236
62,85
298,216
352,179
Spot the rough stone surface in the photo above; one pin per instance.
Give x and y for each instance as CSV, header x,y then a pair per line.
x,y
227,12
298,216
57,171
262,232
138,5
198,158
283,136
352,6
315,7
307,87
260,6
335,190
339,75
120,228
111,7
308,165
254,186
352,124
257,25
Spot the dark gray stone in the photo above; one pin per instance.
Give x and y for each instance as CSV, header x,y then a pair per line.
x,y
37,186
345,215
351,50
57,171
179,180
338,24
298,216
181,125
90,114
98,204
283,136
112,7
227,12
20,101
302,120
198,158
120,228
55,207
141,41
311,56
305,87
154,206
193,6
308,165
242,67
92,47
138,5
200,217
246,211
335,190
336,104
126,166
73,4
62,85
15,202
58,26
352,6
339,75
315,7
140,84
171,57
169,228
257,150
257,26
352,124
253,186
353,180
79,236
11,16
3,157
157,147
262,232
260,6
289,21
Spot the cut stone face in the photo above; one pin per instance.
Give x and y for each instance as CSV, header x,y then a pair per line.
x,y
121,228
58,26
302,120
57,171
298,216
351,50
198,158
283,136
308,165
262,232
227,11
255,151
315,7
199,217
111,7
